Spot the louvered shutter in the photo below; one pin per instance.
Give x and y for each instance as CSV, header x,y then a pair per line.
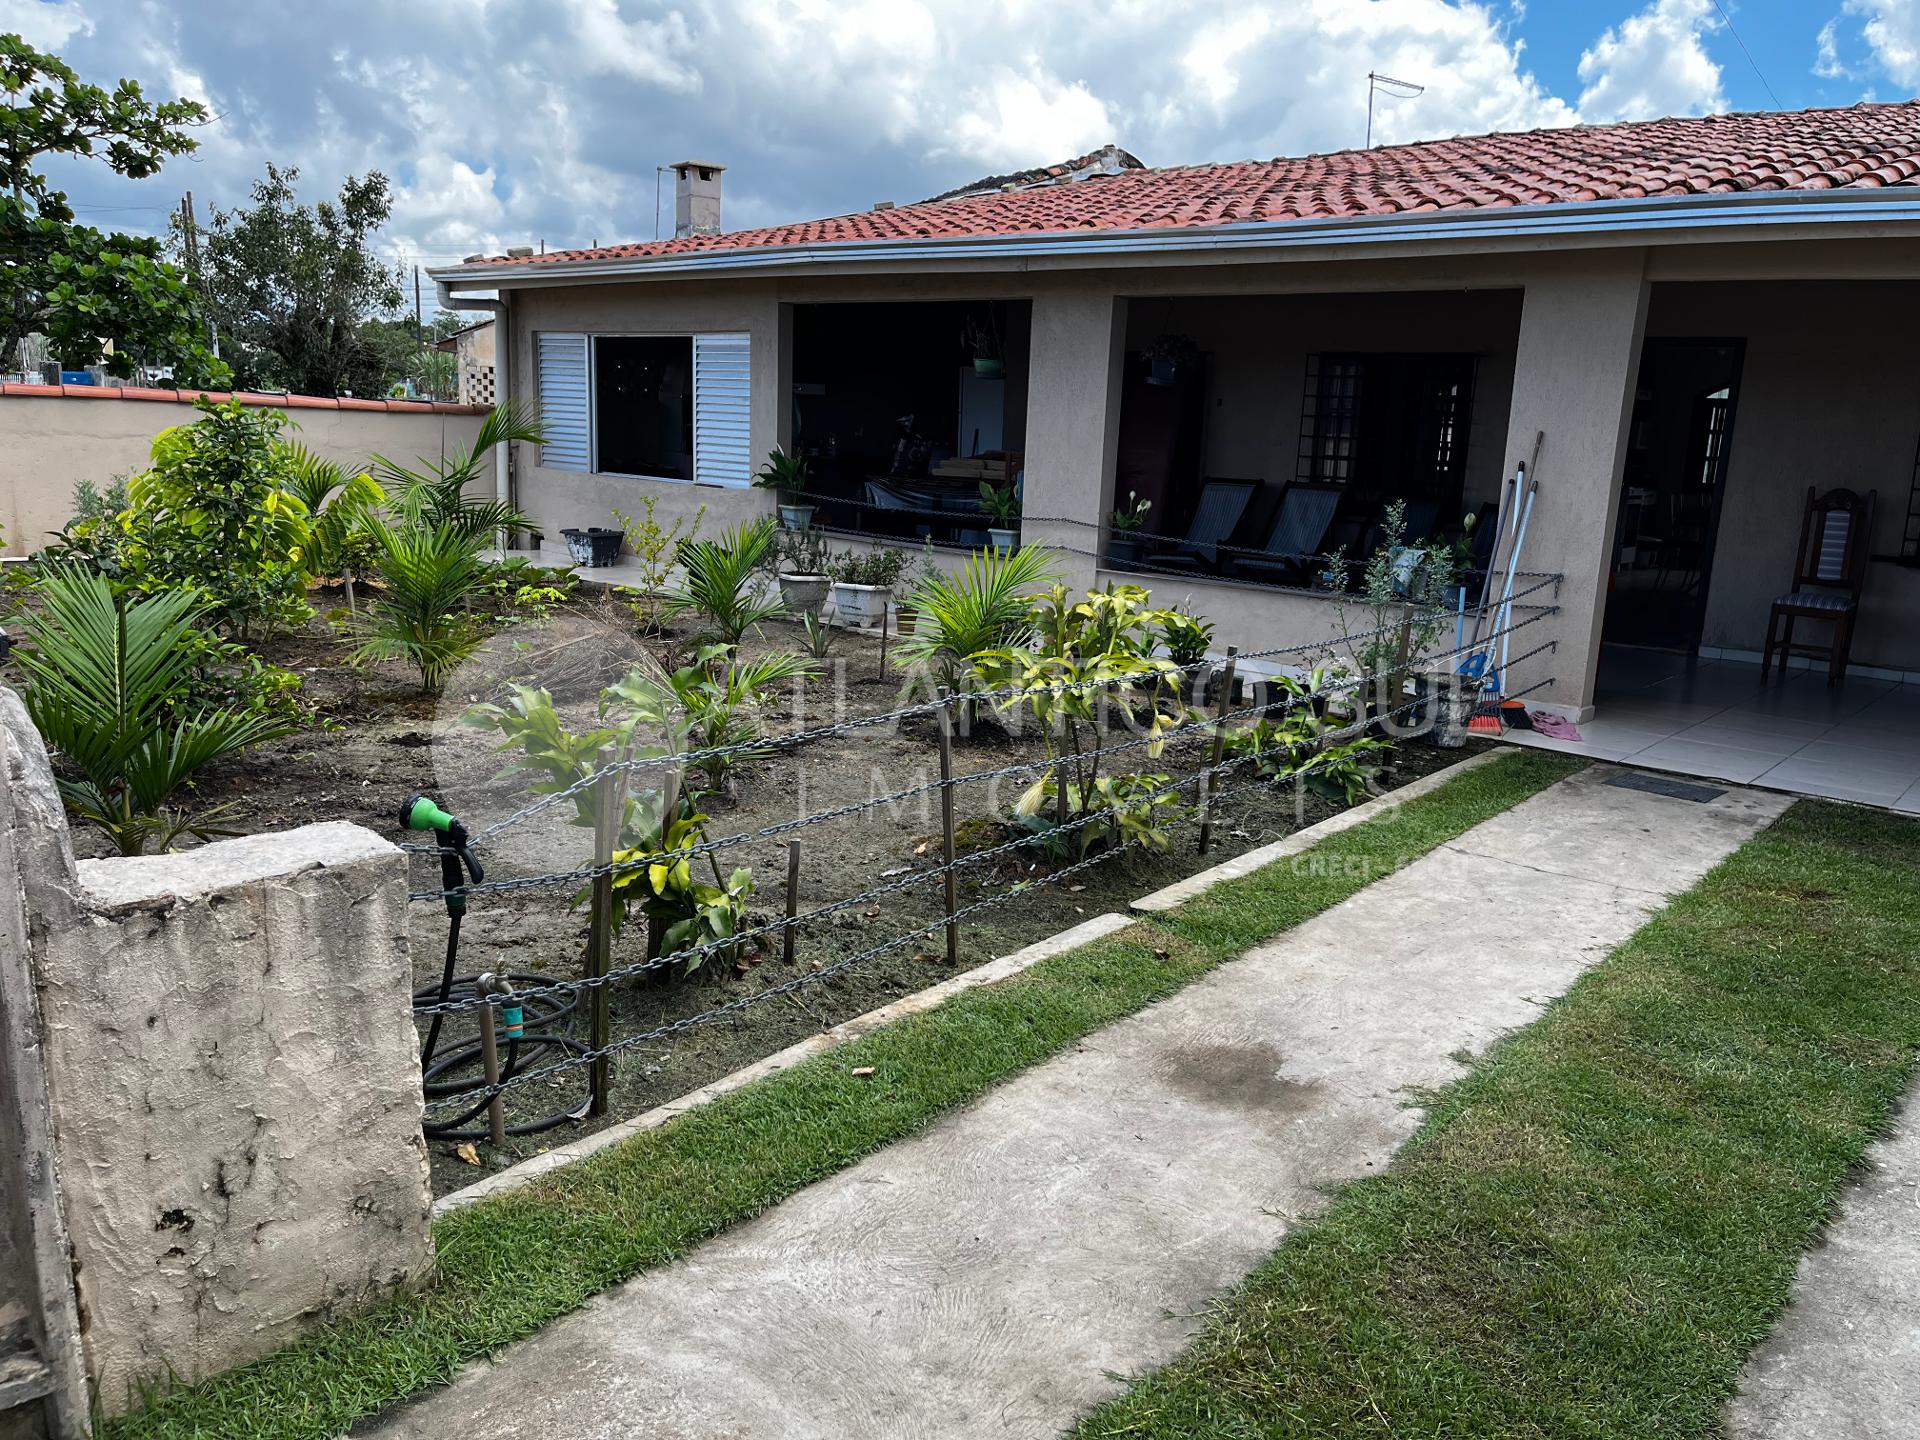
x,y
722,410
563,402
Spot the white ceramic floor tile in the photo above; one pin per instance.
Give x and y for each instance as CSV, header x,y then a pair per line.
x,y
1720,762
1841,782
1766,741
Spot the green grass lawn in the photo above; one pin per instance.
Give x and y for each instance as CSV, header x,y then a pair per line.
x,y
511,1264
1592,1230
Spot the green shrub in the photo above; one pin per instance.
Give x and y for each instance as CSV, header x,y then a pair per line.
x,y
340,507
212,516
111,688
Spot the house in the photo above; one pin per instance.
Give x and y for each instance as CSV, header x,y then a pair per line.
x,y
472,349
1700,318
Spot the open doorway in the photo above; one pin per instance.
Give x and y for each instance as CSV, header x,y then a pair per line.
x,y
1676,468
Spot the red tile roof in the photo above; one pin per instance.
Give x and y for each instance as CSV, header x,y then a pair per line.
x,y
1861,146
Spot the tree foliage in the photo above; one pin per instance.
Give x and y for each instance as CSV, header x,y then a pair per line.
x,y
85,288
292,286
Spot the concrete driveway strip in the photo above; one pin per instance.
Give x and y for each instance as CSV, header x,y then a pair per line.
x,y
996,1275
1844,1361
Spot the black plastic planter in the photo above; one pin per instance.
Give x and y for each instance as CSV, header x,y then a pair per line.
x,y
595,547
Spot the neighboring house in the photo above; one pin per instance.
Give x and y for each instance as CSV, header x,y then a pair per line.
x,y
1702,316
472,349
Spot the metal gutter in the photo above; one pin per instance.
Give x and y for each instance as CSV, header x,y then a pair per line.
x,y
1649,217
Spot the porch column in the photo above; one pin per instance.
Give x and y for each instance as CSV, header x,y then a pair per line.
x,y
1574,373
1073,420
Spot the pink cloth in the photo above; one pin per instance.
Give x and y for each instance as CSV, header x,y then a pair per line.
x,y
1554,727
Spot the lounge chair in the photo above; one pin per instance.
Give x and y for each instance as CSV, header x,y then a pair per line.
x,y
1299,533
1221,506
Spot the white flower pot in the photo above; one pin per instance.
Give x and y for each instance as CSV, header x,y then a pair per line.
x,y
860,605
804,592
796,517
1004,540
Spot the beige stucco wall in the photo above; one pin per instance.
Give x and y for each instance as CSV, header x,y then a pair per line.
x,y
554,498
234,1082
49,444
1559,331
1829,395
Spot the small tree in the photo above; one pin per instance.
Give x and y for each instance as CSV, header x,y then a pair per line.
x,y
80,286
292,286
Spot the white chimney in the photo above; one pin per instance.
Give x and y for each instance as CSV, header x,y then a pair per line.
x,y
696,198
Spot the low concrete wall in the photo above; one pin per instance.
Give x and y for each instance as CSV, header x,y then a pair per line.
x,y
52,438
234,1080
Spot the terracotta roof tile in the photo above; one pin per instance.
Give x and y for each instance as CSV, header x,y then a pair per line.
x,y
1862,146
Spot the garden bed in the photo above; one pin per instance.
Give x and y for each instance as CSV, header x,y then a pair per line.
x,y
391,741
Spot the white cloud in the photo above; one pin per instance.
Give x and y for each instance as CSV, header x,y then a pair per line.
x,y
1827,63
44,25
506,122
1653,63
1891,29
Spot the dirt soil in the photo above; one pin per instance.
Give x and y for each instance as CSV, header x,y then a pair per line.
x,y
388,741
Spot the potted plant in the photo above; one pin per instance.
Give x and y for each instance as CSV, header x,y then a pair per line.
x,y
786,475
801,558
1168,357
1123,545
1002,504
983,340
595,547
863,583
906,615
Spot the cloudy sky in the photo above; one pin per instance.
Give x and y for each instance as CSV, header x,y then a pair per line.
x,y
508,122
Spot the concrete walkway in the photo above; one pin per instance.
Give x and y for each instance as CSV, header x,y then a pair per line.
x,y
995,1276
1843,1363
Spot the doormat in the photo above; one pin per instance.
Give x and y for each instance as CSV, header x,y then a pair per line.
x,y
1662,785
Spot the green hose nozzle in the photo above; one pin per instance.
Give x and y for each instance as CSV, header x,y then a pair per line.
x,y
421,813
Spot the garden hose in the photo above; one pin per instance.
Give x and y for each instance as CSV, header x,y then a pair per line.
x,y
523,1030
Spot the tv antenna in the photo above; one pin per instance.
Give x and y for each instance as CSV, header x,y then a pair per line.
x,y
1404,89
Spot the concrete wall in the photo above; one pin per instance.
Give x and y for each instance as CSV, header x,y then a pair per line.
x,y
42,1373
1829,395
234,1081
49,442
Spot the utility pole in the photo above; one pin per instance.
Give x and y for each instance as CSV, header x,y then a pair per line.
x,y
190,245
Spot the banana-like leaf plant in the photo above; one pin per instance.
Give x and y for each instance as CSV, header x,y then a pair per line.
x,y
108,688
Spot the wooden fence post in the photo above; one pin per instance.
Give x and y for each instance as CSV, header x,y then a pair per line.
x,y
1208,780
608,794
793,901
490,1060
946,823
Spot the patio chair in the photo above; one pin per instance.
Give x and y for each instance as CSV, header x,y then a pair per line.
x,y
1830,571
1299,531
1222,505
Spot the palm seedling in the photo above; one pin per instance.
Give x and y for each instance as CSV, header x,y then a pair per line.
x,y
429,575
981,607
435,494
339,507
723,584
109,686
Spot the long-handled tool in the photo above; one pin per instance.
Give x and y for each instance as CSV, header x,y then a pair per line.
x,y
1478,665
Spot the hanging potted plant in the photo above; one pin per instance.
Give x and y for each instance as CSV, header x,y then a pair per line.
x,y
786,475
863,584
801,558
1168,358
983,341
1002,504
1123,545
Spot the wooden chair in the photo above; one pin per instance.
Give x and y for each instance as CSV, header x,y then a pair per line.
x,y
1830,571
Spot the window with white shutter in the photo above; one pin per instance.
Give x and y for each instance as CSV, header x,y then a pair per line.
x,y
722,409
562,364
